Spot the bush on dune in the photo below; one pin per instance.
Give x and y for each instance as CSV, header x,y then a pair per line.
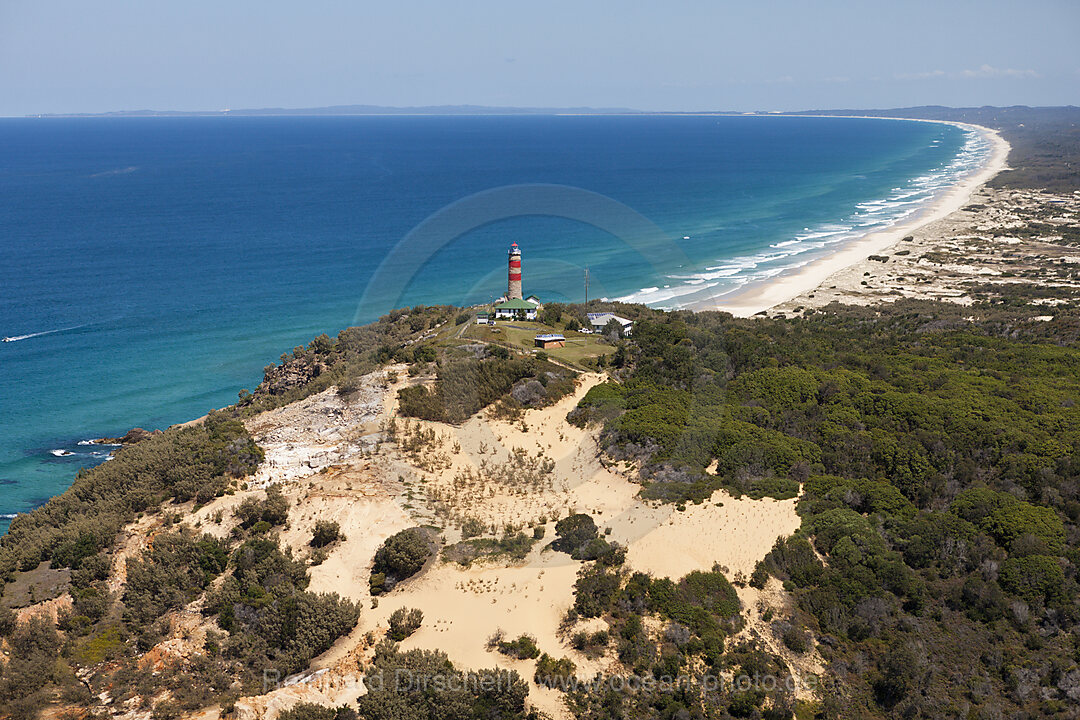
x,y
401,556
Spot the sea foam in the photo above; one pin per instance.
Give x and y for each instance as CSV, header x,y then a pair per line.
x,y
784,254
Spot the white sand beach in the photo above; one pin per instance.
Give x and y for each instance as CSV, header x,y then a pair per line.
x,y
758,297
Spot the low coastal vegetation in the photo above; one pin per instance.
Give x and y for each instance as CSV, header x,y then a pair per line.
x,y
512,546
193,463
466,385
272,620
522,647
341,361
404,622
436,689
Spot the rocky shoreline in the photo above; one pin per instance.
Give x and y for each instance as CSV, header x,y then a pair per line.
x,y
132,436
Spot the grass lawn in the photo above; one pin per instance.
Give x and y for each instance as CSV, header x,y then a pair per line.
x,y
519,334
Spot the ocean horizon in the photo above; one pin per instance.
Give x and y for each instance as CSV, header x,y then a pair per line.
x,y
153,266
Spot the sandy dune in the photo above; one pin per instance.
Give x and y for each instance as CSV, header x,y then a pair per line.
x,y
329,461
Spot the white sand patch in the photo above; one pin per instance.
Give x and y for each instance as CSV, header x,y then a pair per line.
x,y
316,432
734,533
463,607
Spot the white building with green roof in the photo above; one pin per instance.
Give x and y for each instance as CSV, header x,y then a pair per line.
x,y
515,309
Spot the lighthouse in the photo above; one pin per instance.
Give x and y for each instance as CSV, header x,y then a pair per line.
x,y
513,275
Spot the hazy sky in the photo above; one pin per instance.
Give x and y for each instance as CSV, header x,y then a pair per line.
x,y
100,55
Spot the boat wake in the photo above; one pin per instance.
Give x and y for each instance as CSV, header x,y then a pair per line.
x,y
16,338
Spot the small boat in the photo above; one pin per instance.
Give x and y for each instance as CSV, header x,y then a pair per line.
x,y
8,339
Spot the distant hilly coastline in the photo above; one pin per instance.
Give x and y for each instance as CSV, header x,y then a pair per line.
x,y
983,115
1045,141
357,110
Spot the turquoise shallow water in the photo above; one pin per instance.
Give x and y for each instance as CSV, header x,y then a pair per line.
x,y
155,265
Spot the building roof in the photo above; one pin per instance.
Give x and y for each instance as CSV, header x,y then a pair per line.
x,y
550,336
515,305
605,318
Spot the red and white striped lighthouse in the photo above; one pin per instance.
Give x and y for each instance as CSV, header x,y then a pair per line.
x,y
513,282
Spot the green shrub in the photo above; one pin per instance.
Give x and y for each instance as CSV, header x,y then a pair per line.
x,y
173,572
274,622
760,577
745,703
795,639
193,462
325,533
424,354
1007,519
574,532
774,487
30,666
404,622
589,642
601,403
401,556
522,648
776,389
436,689
8,621
595,590
273,509
745,447
1035,578
311,711
793,559
471,527
708,590
554,673
464,386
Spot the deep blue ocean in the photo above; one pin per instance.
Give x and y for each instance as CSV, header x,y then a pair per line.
x,y
150,267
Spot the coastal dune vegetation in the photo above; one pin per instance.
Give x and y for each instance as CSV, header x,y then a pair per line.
x,y
936,452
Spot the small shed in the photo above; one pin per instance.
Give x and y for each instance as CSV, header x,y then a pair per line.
x,y
549,340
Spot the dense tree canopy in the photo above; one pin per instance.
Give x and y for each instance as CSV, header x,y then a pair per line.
x,y
939,460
